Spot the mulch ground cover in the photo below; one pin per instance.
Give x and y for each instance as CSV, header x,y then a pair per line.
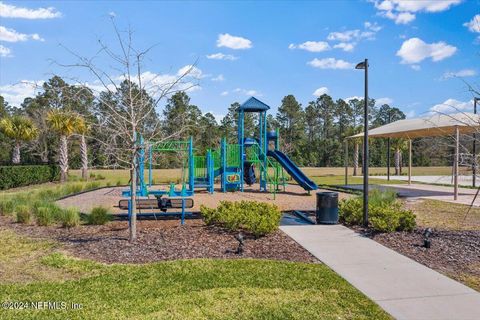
x,y
161,240
453,253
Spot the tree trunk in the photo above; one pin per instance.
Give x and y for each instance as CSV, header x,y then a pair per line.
x,y
355,159
84,157
397,162
16,153
133,199
63,158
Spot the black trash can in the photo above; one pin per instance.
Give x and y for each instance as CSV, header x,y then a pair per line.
x,y
327,208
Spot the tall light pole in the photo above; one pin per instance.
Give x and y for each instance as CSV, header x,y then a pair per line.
x,y
388,146
364,65
474,149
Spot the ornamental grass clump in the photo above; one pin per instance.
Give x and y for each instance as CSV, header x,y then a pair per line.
x,y
99,216
386,212
257,218
24,214
69,218
44,216
7,207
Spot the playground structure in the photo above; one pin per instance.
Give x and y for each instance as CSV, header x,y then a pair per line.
x,y
233,165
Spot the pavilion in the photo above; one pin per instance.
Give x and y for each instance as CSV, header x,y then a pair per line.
x,y
432,126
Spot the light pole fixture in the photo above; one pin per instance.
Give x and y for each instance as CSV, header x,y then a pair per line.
x,y
364,65
474,149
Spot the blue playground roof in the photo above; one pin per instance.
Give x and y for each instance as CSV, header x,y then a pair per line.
x,y
254,105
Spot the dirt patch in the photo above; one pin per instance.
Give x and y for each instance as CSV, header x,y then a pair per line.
x,y
161,240
453,253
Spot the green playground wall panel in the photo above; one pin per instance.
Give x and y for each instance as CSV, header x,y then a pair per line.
x,y
200,167
233,155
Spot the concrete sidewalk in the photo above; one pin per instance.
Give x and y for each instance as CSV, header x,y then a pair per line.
x,y
401,286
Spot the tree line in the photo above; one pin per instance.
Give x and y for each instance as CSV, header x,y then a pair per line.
x,y
58,124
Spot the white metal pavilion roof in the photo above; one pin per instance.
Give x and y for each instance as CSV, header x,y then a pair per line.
x,y
432,126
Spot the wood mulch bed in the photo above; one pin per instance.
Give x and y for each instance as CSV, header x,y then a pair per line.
x,y
161,240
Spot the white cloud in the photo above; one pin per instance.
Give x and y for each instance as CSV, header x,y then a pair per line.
x,y
220,77
345,46
191,71
10,35
353,98
415,50
415,67
460,73
348,39
247,92
410,114
224,93
15,93
404,18
403,11
112,14
320,91
417,6
372,26
5,52
330,63
11,11
382,101
474,24
221,56
344,36
312,46
233,42
452,106
156,83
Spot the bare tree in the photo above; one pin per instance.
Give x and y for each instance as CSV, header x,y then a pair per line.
x,y
127,98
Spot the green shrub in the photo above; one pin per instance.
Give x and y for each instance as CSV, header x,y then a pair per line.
x,y
24,214
44,216
7,207
407,221
19,176
69,218
257,218
99,177
99,216
119,183
386,213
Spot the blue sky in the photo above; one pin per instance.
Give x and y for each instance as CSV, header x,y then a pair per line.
x,y
419,51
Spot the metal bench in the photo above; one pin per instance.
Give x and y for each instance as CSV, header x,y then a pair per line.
x,y
162,204
159,203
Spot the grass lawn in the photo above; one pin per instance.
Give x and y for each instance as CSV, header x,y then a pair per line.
x,y
340,180
185,289
332,176
446,215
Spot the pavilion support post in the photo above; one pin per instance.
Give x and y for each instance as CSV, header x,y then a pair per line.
x,y
346,162
455,164
409,161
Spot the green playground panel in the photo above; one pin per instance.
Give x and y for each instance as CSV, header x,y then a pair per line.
x,y
232,154
173,145
217,159
200,167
